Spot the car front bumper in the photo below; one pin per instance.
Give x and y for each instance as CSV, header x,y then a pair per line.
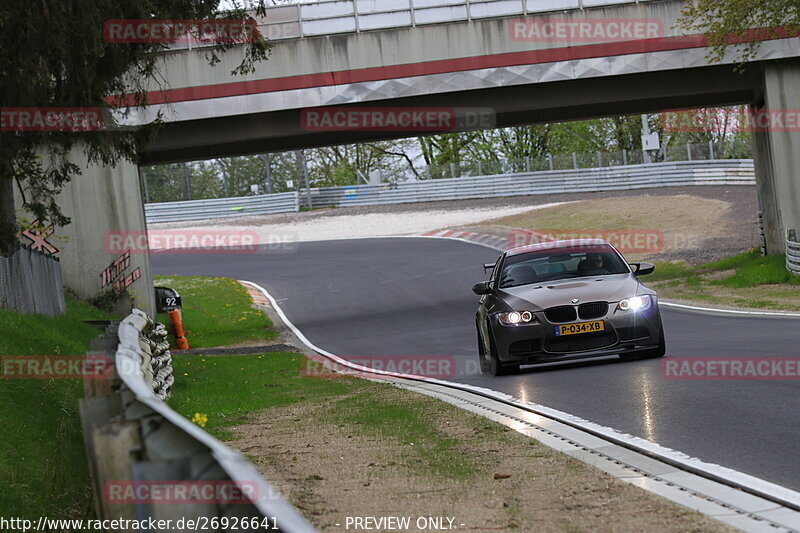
x,y
625,332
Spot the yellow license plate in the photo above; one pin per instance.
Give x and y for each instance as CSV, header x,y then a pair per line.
x,y
583,327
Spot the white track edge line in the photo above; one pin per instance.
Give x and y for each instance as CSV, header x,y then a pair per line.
x,y
758,486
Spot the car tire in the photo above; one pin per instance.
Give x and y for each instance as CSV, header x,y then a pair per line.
x,y
485,364
492,366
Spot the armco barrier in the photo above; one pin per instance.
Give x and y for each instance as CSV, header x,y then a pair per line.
x,y
793,253
286,202
673,174
133,439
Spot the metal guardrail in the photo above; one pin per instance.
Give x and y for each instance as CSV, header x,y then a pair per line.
x,y
673,174
793,253
328,17
132,436
30,282
222,207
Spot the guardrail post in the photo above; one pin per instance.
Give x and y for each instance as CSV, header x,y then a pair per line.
x,y
413,13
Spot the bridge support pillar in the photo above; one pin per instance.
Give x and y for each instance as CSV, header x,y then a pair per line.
x,y
103,202
776,150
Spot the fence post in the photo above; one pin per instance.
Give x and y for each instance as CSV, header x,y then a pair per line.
x,y
452,170
625,157
187,183
599,159
480,168
711,150
689,151
575,160
527,164
551,162
505,165
305,174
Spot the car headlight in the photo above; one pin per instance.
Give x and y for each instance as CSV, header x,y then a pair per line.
x,y
517,317
636,303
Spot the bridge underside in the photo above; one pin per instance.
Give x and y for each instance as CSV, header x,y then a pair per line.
x,y
514,106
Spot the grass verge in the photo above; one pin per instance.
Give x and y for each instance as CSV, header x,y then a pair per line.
x,y
216,312
744,280
43,469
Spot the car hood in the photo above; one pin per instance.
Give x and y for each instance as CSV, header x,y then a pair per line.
x,y
538,296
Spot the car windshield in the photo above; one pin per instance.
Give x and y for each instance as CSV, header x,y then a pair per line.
x,y
556,264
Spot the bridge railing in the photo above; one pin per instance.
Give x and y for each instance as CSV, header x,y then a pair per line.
x,y
328,17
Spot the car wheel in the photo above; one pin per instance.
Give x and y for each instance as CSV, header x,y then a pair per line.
x,y
492,365
485,364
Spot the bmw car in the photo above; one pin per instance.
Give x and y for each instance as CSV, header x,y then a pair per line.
x,y
563,300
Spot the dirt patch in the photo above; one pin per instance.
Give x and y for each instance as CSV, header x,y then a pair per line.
x,y
334,462
688,224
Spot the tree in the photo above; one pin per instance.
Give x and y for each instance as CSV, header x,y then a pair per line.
x,y
53,54
728,22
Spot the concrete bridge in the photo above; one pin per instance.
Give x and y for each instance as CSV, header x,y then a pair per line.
x,y
527,61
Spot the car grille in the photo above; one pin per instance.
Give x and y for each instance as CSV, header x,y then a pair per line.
x,y
580,343
593,310
564,313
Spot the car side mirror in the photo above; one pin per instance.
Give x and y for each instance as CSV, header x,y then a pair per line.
x,y
483,288
643,269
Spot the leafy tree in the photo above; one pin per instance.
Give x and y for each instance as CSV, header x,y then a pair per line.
x,y
53,54
733,21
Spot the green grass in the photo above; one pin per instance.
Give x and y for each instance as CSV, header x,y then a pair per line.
x,y
216,312
429,451
750,270
743,280
226,388
43,470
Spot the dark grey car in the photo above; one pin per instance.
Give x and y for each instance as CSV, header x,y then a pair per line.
x,y
565,300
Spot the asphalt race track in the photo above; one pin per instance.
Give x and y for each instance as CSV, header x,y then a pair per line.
x,y
412,297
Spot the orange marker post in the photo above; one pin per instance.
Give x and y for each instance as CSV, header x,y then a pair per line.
x,y
177,328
